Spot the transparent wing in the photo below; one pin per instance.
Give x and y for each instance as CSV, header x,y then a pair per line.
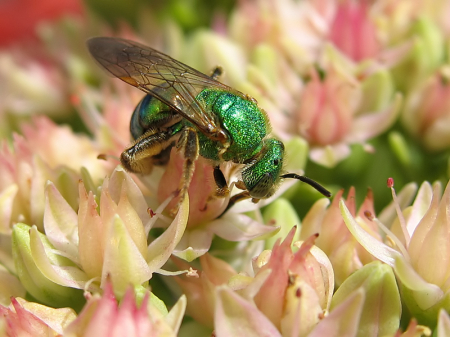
x,y
159,75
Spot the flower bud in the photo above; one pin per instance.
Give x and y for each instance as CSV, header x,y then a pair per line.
x,y
382,308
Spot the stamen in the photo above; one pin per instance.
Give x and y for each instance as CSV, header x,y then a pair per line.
x,y
392,237
390,183
158,214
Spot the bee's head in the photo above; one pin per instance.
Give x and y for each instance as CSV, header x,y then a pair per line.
x,y
262,176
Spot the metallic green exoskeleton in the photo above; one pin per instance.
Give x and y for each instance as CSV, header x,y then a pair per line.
x,y
201,116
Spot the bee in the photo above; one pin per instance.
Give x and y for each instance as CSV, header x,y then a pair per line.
x,y
197,114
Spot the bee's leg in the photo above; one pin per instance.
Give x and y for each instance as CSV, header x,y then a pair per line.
x,y
216,73
138,158
236,198
189,145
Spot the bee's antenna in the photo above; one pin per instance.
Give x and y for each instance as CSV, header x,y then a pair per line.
x,y
309,181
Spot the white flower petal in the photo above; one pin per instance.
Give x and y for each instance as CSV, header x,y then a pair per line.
x,y
162,247
60,223
373,246
370,125
69,277
6,201
194,244
330,155
239,227
176,314
426,294
443,328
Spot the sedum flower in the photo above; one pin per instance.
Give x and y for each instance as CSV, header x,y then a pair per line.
x,y
82,250
381,308
29,88
102,316
24,318
427,111
417,250
425,56
199,289
353,31
13,31
367,304
40,155
11,286
343,250
331,114
272,293
443,327
295,29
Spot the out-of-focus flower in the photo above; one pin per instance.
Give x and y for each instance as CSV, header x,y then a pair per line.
x,y
24,318
19,19
30,87
423,59
102,316
279,277
330,112
353,31
11,287
418,250
344,252
45,152
443,327
80,250
427,111
199,290
296,29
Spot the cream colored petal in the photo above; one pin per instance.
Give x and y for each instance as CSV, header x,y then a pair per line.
x,y
60,223
372,245
239,227
162,247
193,244
235,316
123,262
6,202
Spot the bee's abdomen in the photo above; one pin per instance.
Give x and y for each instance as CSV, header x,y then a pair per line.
x,y
150,113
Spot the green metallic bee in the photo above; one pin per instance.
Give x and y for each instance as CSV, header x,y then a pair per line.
x,y
197,114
